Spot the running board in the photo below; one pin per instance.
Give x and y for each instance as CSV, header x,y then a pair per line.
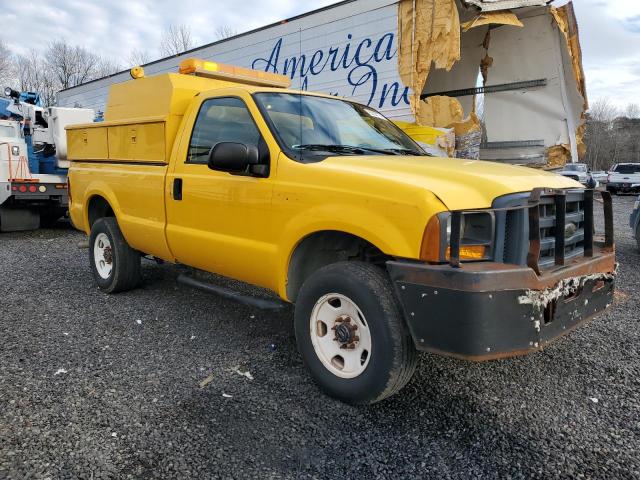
x,y
261,303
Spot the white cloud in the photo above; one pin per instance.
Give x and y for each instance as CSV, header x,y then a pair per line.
x,y
610,37
117,27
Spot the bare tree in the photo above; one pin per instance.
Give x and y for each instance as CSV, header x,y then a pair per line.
x,y
175,40
603,140
71,65
105,67
632,111
139,57
33,74
60,66
6,64
603,110
225,31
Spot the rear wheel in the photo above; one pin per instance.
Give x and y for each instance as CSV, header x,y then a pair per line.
x,y
115,265
351,334
612,191
638,236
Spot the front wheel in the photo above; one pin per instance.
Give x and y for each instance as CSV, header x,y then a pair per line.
x,y
115,265
351,334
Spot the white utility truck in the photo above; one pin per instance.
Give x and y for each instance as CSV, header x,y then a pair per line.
x,y
33,160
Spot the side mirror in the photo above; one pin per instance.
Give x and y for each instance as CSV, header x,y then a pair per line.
x,y
233,157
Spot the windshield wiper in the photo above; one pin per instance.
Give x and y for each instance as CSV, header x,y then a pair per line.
x,y
358,150
330,148
408,151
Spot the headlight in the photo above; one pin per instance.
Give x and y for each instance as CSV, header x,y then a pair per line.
x,y
477,231
15,150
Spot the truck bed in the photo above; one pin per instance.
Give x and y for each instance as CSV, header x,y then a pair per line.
x,y
140,200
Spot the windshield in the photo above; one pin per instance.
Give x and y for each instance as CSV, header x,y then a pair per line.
x,y
576,167
627,169
311,126
7,131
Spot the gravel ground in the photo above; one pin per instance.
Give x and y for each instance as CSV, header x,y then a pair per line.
x,y
146,385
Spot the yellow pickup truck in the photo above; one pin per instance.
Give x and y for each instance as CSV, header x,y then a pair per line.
x,y
384,250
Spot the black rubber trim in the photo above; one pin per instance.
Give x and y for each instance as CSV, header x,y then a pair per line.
x,y
123,162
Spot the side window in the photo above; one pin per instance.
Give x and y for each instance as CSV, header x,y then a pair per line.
x,y
221,120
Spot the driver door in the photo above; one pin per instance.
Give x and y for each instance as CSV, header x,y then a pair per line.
x,y
219,221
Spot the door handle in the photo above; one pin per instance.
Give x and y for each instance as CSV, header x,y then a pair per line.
x,y
177,189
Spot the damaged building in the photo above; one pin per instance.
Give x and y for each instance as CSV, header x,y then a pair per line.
x,y
491,79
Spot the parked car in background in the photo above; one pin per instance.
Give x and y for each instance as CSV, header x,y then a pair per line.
x,y
624,178
600,176
579,172
635,221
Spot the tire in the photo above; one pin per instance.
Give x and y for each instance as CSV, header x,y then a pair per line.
x,y
638,236
115,265
366,291
612,191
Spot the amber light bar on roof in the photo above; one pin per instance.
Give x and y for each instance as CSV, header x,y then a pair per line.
x,y
221,71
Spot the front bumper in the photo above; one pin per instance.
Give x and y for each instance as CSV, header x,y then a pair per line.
x,y
485,311
624,186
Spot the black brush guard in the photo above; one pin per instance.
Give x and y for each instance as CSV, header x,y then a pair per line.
x,y
487,310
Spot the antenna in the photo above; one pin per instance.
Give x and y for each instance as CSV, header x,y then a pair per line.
x,y
300,88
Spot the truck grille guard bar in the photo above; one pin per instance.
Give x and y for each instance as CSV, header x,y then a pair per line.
x,y
533,207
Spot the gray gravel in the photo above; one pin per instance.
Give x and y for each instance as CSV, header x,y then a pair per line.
x,y
97,386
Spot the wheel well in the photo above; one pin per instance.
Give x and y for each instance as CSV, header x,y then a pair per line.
x,y
99,208
323,248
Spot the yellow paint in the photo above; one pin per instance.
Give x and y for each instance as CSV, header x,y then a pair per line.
x,y
137,142
136,195
429,135
245,227
87,143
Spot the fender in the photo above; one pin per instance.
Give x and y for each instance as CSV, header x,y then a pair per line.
x,y
387,236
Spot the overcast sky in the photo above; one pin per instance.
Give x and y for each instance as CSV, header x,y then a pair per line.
x,y
609,30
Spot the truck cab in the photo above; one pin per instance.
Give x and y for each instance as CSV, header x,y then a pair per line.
x,y
12,146
384,250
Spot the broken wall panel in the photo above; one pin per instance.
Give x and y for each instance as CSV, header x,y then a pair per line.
x,y
464,73
429,36
548,113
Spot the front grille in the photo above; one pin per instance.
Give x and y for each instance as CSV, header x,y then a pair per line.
x,y
572,227
529,225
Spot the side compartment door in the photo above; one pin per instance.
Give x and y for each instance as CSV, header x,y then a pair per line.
x,y
219,221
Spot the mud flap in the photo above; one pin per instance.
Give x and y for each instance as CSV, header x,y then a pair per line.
x,y
18,219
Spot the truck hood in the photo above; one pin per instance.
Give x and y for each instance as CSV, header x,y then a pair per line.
x,y
459,184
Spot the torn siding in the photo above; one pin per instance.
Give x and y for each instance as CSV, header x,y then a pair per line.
x,y
429,33
493,18
491,5
544,119
538,119
572,54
